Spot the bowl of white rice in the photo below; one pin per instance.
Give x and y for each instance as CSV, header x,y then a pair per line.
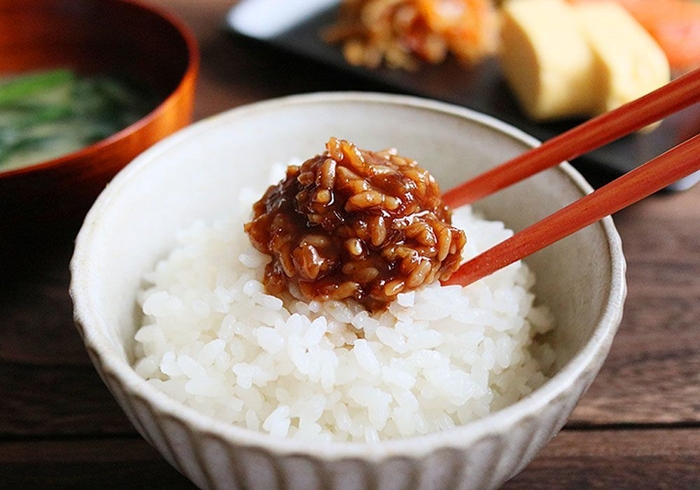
x,y
446,387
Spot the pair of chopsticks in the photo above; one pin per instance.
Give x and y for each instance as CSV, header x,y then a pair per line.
x,y
656,174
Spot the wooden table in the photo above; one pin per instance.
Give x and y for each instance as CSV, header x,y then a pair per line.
x,y
637,427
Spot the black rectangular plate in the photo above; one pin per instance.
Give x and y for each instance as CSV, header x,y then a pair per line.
x,y
480,88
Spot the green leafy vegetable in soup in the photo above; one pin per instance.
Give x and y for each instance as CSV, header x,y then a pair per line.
x,y
48,114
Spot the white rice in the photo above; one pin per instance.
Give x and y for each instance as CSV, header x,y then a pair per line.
x,y
438,357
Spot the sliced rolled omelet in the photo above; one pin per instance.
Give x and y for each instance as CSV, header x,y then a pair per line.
x,y
566,61
628,62
545,59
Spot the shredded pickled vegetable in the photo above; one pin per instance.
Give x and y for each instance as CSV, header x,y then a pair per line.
x,y
402,33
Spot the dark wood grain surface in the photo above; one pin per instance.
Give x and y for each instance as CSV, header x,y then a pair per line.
x,y
637,427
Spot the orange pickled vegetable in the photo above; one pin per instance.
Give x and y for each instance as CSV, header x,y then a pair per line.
x,y
401,33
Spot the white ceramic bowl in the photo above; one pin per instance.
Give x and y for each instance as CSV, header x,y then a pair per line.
x,y
196,174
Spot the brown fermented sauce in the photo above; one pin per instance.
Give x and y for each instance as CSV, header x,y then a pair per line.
x,y
355,224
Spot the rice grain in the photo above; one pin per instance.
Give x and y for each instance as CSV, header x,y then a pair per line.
x,y
437,357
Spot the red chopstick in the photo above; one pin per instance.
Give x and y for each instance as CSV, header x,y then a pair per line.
x,y
672,97
633,186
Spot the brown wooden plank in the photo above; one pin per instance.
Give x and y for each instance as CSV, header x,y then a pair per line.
x,y
36,316
47,401
648,378
621,459
652,374
48,385
91,463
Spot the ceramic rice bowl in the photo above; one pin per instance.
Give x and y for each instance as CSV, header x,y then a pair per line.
x,y
197,174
